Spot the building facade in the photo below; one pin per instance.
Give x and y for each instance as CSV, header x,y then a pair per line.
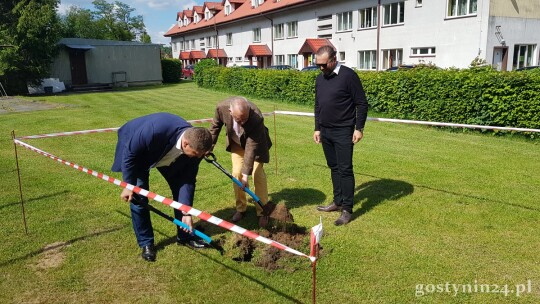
x,y
367,34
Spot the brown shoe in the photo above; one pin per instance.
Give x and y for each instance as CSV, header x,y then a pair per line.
x,y
330,208
263,221
343,219
237,216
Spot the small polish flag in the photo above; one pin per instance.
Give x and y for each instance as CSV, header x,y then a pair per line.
x,y
316,234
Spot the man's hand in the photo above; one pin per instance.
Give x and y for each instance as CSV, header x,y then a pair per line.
x,y
244,180
357,136
317,137
126,195
186,219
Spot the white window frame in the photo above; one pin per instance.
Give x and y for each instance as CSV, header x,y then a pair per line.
x,y
418,3
279,32
397,10
397,59
459,8
292,60
279,59
229,39
529,54
292,29
367,60
367,17
257,34
344,21
341,56
423,51
228,9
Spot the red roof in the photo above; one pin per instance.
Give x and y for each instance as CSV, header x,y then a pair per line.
x,y
312,45
216,53
188,13
242,11
258,50
213,5
198,9
179,16
184,55
197,55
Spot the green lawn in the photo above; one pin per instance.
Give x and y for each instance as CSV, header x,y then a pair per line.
x,y
433,207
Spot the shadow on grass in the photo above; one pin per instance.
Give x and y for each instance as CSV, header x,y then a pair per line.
x,y
63,244
374,192
60,193
294,198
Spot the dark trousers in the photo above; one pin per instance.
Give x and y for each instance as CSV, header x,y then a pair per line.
x,y
338,150
140,216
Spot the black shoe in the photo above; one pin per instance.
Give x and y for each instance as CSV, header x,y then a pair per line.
x,y
343,219
330,208
195,244
149,253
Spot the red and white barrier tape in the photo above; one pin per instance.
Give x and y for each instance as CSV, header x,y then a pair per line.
x,y
428,123
167,201
194,121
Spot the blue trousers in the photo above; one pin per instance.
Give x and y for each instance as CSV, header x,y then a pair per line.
x,y
338,151
140,216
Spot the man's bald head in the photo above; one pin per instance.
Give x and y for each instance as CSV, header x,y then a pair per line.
x,y
239,108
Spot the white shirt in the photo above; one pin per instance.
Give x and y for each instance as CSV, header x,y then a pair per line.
x,y
172,155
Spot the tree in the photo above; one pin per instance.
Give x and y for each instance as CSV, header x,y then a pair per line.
x,y
109,21
32,28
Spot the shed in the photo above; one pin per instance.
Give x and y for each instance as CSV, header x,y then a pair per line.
x,y
83,62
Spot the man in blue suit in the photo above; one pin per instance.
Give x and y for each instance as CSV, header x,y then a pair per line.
x,y
170,144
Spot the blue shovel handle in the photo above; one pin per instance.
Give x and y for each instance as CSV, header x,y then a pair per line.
x,y
203,236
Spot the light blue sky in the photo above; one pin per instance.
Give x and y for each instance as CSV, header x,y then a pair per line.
x,y
158,15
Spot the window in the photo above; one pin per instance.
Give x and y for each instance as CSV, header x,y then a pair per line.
x,y
325,36
324,27
344,21
325,17
425,51
196,18
228,39
238,59
524,55
368,17
461,7
293,60
207,15
367,60
394,13
257,35
278,31
392,58
341,57
181,45
280,59
418,3
208,41
227,9
292,29
192,44
174,47
256,3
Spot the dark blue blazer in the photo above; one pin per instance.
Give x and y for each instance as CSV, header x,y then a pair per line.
x,y
143,141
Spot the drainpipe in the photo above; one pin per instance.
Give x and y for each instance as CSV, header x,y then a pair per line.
x,y
377,55
271,38
217,41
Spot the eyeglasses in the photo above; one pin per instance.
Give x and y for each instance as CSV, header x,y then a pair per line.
x,y
324,65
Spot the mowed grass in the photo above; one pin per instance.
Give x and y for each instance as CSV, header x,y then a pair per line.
x,y
433,207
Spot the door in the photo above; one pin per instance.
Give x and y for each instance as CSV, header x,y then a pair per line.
x,y
77,63
500,58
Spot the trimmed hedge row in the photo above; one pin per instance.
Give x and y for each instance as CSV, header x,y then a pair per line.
x,y
171,70
473,96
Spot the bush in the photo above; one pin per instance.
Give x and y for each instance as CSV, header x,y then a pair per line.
x,y
479,95
199,68
171,70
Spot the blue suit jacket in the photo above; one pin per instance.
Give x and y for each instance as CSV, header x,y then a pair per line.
x,y
143,141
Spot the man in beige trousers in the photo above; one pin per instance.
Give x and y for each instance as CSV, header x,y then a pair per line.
x,y
249,144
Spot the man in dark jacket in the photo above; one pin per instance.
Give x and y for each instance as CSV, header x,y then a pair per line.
x,y
340,115
249,144
170,144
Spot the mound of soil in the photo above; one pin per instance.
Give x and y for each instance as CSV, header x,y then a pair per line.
x,y
278,212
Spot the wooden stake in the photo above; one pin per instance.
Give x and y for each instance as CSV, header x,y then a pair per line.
x,y
20,184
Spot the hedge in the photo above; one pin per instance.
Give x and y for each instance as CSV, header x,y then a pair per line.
x,y
480,96
171,70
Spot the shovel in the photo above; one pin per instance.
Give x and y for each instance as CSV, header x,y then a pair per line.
x,y
267,209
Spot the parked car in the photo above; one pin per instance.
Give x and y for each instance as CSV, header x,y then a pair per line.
x,y
280,67
187,72
529,68
249,66
311,68
401,67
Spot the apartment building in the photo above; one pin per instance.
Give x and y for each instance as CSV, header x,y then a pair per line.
x,y
367,34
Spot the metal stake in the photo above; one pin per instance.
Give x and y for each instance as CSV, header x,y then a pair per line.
x,y
20,184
